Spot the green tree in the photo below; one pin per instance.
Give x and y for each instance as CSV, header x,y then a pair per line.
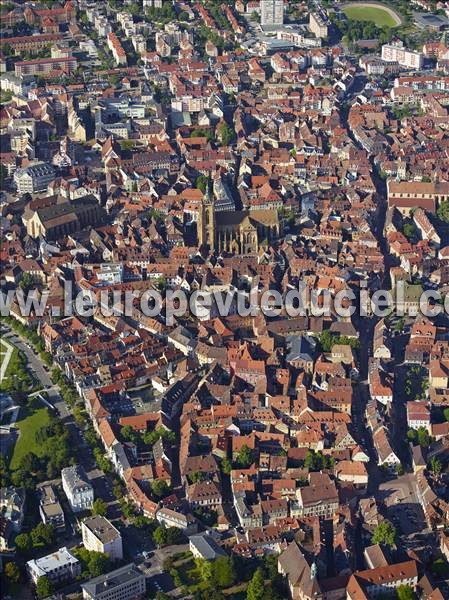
x,y
165,536
98,564
100,507
226,465
160,488
43,534
161,284
23,542
150,438
435,465
423,437
412,435
316,461
128,509
142,522
129,434
202,133
405,592
27,282
127,144
327,340
226,133
168,435
223,572
173,535
160,536
399,326
443,211
201,183
196,476
44,587
205,569
384,533
29,462
245,457
409,230
312,461
12,572
256,587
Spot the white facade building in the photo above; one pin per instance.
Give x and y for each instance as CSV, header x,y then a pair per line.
x,y
271,12
398,53
34,179
318,25
58,567
100,535
77,488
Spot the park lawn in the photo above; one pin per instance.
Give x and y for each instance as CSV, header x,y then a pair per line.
x,y
28,423
378,16
191,578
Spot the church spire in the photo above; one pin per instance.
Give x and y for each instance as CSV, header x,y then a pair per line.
x,y
206,221
209,189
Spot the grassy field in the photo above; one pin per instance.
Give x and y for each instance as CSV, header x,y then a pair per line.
x,y
28,423
376,15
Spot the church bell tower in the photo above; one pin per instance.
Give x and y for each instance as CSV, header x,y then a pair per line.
x,y
206,219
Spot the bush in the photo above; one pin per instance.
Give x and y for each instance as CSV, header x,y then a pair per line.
x,y
440,567
12,572
44,587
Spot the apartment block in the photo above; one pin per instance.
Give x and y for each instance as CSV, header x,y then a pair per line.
x,y
101,536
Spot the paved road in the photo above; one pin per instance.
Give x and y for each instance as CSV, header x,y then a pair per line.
x,y
6,356
41,373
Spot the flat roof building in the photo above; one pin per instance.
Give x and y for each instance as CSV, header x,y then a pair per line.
x,y
431,21
101,536
58,567
50,509
125,583
271,12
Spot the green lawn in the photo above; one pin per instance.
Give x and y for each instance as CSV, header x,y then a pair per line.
x,y
28,423
10,375
16,376
376,15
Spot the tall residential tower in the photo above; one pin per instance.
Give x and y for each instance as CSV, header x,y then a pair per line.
x,y
271,12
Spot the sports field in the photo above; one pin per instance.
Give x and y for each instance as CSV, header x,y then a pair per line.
x,y
380,16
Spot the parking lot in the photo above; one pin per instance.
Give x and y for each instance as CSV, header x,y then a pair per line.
x,y
404,510
407,518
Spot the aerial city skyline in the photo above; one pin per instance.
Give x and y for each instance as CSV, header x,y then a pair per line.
x,y
224,273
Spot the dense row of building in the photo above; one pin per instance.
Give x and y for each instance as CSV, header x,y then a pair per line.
x,y
202,165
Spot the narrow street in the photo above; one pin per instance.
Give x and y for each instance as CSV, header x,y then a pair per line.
x,y
41,373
